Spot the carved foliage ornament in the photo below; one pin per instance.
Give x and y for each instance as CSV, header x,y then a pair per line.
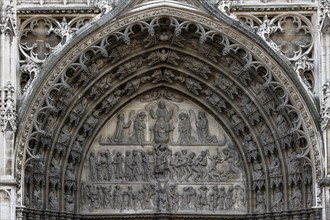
x,y
225,6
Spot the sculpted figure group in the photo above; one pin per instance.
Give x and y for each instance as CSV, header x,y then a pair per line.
x,y
166,197
162,163
162,127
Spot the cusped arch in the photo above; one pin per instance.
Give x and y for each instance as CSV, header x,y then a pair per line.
x,y
244,85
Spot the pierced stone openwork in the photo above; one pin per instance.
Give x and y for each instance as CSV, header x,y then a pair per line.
x,y
39,38
292,34
162,113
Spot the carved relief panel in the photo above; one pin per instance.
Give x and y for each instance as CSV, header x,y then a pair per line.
x,y
161,155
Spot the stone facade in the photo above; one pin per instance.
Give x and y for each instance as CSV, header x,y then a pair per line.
x,y
156,109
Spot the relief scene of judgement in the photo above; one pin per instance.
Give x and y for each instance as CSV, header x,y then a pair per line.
x,y
163,156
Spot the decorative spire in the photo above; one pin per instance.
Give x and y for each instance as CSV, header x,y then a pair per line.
x,y
7,18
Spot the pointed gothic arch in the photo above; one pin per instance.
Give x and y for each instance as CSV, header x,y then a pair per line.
x,y
251,92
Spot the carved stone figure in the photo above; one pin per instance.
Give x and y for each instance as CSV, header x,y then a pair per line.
x,y
214,198
135,165
162,197
214,99
267,139
163,126
117,198
128,166
161,163
39,170
184,128
151,162
92,167
76,150
70,179
278,202
202,198
229,202
258,172
293,162
55,172
189,198
261,205
190,164
202,125
200,167
78,111
222,197
120,127
63,140
102,166
239,198
250,146
275,166
163,56
53,201
46,135
69,202
85,193
173,197
36,197
90,123
110,101
139,129
145,166
118,161
229,168
26,200
296,198
183,164
193,86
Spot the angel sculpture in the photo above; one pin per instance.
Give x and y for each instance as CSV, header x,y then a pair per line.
x,y
185,137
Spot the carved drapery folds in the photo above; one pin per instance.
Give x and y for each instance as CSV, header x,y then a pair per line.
x,y
168,151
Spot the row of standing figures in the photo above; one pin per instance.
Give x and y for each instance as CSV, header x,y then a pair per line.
x,y
162,128
182,166
164,198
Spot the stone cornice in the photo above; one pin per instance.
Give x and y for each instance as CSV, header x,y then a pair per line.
x,y
275,7
58,10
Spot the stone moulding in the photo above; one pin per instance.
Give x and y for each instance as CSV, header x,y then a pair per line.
x,y
261,53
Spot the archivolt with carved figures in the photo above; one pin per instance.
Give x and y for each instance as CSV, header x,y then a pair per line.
x,y
168,112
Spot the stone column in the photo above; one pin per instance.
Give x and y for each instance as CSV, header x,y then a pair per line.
x,y
8,59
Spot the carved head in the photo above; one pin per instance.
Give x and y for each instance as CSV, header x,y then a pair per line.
x,y
161,104
201,115
183,116
142,115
